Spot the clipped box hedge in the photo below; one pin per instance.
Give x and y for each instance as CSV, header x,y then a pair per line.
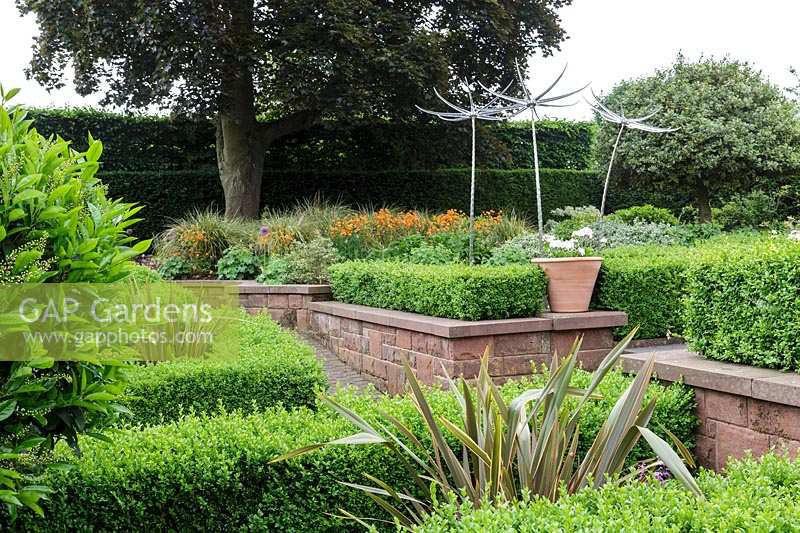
x,y
273,367
457,291
750,496
648,283
204,473
744,307
651,283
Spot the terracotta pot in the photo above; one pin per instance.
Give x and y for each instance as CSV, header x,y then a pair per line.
x,y
571,282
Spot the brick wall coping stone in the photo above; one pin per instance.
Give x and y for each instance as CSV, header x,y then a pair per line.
x,y
252,287
248,286
451,328
743,380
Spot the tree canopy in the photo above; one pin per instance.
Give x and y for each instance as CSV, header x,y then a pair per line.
x,y
735,128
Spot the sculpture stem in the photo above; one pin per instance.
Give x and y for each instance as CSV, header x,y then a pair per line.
x,y
472,199
608,174
538,183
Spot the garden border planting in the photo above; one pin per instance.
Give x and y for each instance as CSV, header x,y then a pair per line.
x,y
212,473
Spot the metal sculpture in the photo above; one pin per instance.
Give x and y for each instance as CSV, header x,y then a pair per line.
x,y
531,102
624,122
487,111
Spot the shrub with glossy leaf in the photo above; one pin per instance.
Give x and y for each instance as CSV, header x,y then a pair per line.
x,y
56,224
750,496
743,306
452,291
273,367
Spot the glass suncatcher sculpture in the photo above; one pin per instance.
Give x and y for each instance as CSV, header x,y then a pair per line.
x,y
487,111
530,102
624,122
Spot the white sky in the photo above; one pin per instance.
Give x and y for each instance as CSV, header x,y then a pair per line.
x,y
609,40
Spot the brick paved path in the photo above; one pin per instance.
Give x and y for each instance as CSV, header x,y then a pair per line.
x,y
339,374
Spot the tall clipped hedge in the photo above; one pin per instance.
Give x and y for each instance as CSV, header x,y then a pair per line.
x,y
140,142
134,142
170,194
744,307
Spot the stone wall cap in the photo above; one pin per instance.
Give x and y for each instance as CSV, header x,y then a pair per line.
x,y
451,328
697,371
587,320
252,287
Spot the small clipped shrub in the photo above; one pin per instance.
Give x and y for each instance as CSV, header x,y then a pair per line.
x,y
238,262
752,495
644,213
648,283
743,306
450,291
273,367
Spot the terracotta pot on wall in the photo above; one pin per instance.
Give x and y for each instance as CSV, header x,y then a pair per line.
x,y
570,282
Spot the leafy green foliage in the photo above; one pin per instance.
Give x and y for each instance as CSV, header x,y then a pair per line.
x,y
175,267
274,272
504,450
213,473
752,495
238,262
452,291
309,262
735,127
56,224
271,368
644,213
751,210
743,307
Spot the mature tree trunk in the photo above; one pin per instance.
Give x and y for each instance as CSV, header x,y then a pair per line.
x,y
241,140
703,198
240,149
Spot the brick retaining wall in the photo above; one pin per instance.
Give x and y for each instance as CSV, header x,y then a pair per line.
x,y
374,341
740,407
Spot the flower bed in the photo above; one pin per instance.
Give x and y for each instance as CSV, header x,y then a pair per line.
x,y
751,496
450,291
273,367
212,473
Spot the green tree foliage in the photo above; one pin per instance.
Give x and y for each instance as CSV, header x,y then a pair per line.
x,y
735,127
266,69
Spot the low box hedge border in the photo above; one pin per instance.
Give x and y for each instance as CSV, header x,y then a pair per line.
x,y
211,473
464,292
273,367
750,496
